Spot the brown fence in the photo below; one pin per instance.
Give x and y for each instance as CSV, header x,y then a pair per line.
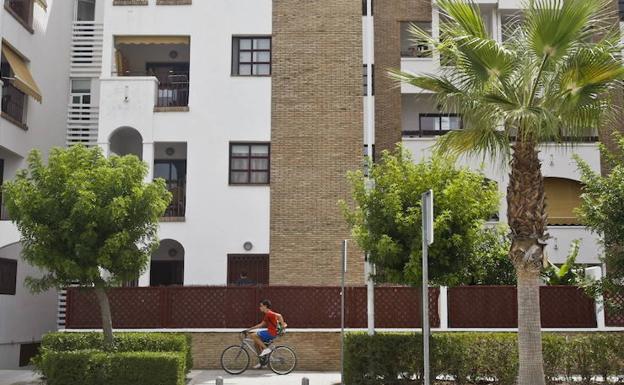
x,y
496,307
237,307
612,317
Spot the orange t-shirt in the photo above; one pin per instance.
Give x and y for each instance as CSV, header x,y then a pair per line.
x,y
270,319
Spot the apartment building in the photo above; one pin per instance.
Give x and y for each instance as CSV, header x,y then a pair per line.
x,y
252,111
36,44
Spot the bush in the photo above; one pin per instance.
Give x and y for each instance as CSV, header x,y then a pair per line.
x,y
124,342
93,367
477,358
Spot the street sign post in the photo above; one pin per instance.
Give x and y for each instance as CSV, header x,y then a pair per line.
x,y
343,269
427,239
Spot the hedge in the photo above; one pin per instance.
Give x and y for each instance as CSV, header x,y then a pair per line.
x,y
94,367
124,342
478,358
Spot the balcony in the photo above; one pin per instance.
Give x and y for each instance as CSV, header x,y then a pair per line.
x,y
13,104
165,58
170,165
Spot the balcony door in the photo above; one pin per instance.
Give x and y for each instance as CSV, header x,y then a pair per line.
x,y
173,171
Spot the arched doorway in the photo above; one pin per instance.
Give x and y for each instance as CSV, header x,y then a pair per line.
x,y
167,266
125,141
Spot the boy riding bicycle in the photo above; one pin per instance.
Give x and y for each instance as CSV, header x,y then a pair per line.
x,y
274,324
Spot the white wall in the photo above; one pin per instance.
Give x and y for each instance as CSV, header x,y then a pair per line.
x,y
222,108
24,317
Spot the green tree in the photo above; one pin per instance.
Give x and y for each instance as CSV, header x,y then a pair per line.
x,y
386,221
548,81
490,264
602,211
566,274
86,219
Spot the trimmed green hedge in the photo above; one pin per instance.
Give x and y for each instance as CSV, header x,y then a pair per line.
x,y
124,342
477,358
93,367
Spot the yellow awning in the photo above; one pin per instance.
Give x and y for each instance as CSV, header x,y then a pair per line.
x,y
22,78
43,4
152,40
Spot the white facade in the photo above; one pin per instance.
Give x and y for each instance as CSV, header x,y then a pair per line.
x,y
557,160
24,317
219,218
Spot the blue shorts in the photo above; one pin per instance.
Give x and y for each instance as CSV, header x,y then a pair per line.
x,y
265,336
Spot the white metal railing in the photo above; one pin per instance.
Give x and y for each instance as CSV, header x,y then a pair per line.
x,y
82,124
86,49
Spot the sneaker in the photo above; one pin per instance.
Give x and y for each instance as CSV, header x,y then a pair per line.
x,y
258,366
265,352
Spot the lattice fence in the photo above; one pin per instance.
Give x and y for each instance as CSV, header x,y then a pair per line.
x,y
237,307
496,307
613,317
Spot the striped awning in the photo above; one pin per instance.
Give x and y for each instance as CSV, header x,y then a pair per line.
x,y
22,78
152,40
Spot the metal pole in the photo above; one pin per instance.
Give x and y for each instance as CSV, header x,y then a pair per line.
x,y
219,381
305,381
427,239
370,127
343,270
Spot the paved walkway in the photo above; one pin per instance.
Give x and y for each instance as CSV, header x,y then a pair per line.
x,y
206,377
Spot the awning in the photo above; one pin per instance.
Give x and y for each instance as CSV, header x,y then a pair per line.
x,y
43,4
22,78
152,40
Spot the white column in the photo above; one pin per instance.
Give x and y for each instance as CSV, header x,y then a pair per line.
x,y
595,273
148,157
144,279
443,307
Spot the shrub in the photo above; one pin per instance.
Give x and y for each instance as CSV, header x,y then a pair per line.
x,y
93,367
124,342
477,358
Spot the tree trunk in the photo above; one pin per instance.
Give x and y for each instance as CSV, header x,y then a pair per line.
x,y
107,321
527,221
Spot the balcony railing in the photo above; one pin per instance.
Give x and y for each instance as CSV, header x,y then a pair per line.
x,y
177,206
175,94
13,101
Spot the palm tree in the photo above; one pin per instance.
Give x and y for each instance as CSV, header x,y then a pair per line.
x,y
550,80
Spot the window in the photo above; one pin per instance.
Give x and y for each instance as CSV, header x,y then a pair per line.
x,y
438,124
621,7
8,276
4,216
174,174
365,80
27,352
563,196
251,56
22,10
365,8
410,47
248,269
249,163
13,99
85,10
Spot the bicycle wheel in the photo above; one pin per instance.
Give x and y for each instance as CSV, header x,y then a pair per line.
x,y
234,359
282,360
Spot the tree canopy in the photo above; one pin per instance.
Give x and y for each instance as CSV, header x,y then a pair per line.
x,y
386,221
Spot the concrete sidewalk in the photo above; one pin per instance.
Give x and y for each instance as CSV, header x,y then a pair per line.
x,y
205,377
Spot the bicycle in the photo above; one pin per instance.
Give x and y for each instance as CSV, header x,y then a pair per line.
x,y
235,358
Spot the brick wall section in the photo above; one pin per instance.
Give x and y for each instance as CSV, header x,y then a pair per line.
x,y
314,350
387,15
316,137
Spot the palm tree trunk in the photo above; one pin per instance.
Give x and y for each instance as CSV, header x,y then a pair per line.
x,y
527,220
107,321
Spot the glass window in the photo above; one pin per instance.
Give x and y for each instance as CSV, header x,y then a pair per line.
x,y
8,276
251,56
437,124
85,10
249,163
21,9
81,86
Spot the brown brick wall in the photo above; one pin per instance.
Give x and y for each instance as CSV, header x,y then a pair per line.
x,y
315,350
316,137
387,15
